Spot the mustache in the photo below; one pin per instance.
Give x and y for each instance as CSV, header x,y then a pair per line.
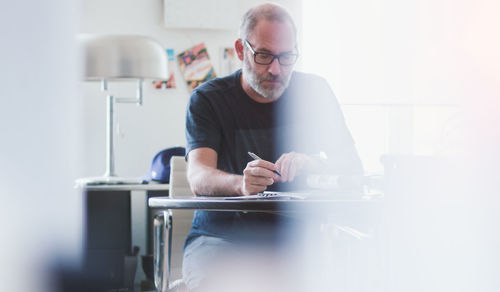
x,y
273,78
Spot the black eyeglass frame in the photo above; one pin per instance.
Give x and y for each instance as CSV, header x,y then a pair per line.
x,y
247,43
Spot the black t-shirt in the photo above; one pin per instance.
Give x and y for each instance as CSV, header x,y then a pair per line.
x,y
305,119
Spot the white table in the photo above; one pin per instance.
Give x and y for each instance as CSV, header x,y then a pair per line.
x,y
163,220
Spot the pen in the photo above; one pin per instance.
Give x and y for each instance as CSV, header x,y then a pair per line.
x,y
254,156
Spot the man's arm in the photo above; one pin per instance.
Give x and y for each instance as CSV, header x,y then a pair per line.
x,y
205,179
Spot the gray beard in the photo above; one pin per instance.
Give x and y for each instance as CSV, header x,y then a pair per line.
x,y
254,82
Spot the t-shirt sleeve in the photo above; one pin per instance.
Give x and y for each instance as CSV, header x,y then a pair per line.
x,y
202,129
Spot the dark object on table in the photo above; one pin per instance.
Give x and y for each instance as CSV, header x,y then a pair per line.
x,y
160,166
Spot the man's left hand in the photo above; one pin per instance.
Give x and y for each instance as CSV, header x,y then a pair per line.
x,y
289,164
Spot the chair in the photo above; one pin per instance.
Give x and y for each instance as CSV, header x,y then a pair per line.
x,y
169,239
179,186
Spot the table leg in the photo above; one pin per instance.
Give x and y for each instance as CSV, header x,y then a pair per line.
x,y
162,249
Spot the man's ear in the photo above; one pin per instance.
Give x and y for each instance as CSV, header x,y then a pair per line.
x,y
238,45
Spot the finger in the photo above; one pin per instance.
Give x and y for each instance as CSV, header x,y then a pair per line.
x,y
280,161
262,163
253,185
259,181
259,172
263,168
285,166
293,170
278,178
249,189
252,189
278,164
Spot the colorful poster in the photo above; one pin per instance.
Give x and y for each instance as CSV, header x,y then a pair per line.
x,y
196,66
229,61
170,82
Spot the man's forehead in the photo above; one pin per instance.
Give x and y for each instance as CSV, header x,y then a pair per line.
x,y
273,36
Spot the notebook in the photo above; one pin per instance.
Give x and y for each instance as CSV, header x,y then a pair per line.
x,y
310,195
272,196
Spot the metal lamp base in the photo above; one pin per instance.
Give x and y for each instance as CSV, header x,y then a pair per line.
x,y
110,177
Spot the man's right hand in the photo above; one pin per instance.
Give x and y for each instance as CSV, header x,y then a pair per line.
x,y
257,176
206,180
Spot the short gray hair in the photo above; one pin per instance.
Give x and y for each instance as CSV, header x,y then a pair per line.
x,y
268,11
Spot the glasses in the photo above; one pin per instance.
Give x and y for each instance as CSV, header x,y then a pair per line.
x,y
285,59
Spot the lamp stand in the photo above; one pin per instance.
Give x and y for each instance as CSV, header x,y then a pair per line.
x,y
110,149
110,177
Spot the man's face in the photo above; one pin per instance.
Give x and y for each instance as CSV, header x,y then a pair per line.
x,y
269,81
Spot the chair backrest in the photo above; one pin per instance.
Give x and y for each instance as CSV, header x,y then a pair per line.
x,y
179,186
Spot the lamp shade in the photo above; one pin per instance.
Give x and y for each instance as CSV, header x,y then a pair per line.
x,y
115,57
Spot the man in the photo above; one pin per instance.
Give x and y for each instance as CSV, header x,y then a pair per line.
x,y
268,109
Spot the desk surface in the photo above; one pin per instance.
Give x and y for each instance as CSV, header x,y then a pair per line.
x,y
127,187
257,205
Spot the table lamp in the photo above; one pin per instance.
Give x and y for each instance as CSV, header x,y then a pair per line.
x,y
114,58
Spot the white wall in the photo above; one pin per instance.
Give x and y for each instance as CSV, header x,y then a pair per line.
x,y
159,123
394,65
